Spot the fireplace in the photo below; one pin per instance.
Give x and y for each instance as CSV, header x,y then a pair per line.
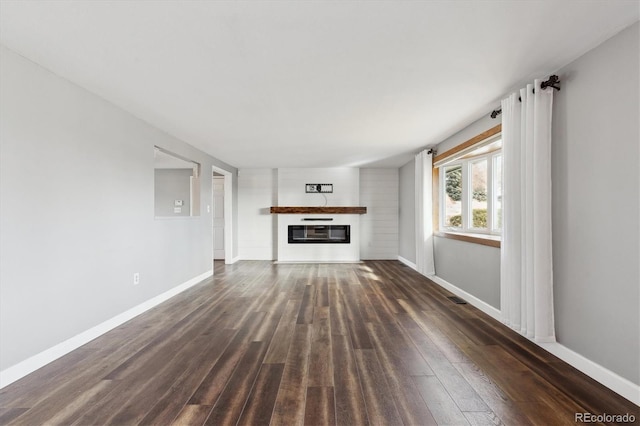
x,y
319,234
307,237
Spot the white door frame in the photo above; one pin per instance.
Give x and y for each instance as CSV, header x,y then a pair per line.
x,y
228,214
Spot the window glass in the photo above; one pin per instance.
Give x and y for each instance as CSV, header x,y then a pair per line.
x,y
479,194
453,198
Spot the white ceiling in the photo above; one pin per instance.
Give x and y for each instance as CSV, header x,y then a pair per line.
x,y
308,83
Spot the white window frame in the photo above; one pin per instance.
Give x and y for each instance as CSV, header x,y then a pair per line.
x,y
467,193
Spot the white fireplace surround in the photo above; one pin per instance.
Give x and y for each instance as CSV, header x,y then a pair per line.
x,y
323,252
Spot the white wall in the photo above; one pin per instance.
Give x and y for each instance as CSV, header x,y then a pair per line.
x,y
345,180
474,268
379,227
257,192
596,205
172,185
77,212
483,124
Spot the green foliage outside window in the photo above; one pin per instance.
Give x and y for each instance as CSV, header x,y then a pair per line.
x,y
455,221
454,186
480,194
454,183
479,219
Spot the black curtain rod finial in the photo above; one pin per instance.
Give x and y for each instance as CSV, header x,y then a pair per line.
x,y
552,82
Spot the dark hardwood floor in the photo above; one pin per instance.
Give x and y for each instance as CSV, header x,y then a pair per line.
x,y
319,344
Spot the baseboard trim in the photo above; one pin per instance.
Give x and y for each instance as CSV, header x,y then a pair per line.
x,y
302,262
408,263
483,306
43,358
233,260
606,377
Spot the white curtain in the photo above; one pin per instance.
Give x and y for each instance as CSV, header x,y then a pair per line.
x,y
526,298
424,214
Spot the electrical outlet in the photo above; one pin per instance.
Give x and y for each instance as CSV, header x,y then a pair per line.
x,y
136,278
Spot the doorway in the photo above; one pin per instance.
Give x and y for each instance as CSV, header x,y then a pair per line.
x,y
218,217
221,212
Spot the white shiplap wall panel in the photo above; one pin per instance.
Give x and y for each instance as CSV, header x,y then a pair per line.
x,y
291,187
379,227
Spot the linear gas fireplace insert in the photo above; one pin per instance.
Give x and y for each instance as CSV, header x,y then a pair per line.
x,y
319,234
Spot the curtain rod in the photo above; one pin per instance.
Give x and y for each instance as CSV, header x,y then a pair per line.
x,y
552,82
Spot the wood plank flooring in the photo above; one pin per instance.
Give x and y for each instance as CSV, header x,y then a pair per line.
x,y
309,344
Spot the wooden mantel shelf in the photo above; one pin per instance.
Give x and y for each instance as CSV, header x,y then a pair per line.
x,y
318,210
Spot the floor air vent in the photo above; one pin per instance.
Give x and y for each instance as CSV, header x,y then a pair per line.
x,y
457,300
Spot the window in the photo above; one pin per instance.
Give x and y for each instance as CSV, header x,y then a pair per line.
x,y
471,190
